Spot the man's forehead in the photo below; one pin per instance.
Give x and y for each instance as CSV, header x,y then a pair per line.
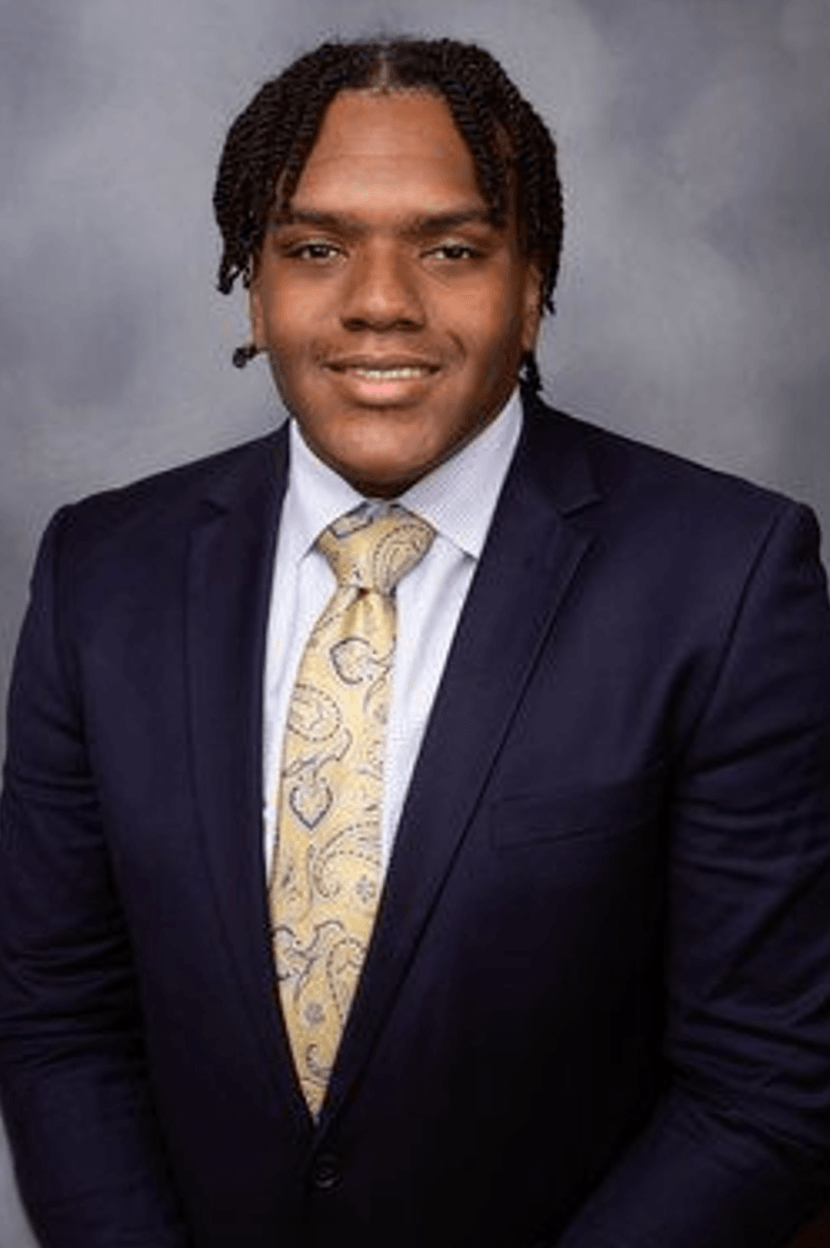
x,y
381,151
388,123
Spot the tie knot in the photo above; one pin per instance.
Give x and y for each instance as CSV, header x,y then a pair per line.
x,y
375,552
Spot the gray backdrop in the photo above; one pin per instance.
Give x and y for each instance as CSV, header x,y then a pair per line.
x,y
695,296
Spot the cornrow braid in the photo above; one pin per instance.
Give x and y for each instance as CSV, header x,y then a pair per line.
x,y
268,144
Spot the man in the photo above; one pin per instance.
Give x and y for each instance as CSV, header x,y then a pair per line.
x,y
531,943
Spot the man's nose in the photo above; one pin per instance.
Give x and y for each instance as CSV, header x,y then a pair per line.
x,y
382,293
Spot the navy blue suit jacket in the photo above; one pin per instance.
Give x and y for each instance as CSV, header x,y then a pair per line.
x,y
596,1006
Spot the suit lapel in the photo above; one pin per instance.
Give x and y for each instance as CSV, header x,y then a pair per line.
x,y
228,590
530,558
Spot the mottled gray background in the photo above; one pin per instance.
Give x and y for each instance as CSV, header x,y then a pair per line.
x,y
695,297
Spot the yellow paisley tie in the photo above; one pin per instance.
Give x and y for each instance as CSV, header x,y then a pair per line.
x,y
326,876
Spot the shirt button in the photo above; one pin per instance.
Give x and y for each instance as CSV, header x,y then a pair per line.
x,y
325,1173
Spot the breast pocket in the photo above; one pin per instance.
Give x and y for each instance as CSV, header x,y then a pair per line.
x,y
577,811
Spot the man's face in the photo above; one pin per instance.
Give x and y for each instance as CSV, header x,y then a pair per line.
x,y
394,312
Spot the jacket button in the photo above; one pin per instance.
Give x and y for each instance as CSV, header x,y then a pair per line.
x,y
325,1173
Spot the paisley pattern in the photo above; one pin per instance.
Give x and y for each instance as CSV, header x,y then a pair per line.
x,y
326,877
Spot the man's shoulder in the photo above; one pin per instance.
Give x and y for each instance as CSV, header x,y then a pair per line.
x,y
630,475
166,500
182,484
662,519
140,532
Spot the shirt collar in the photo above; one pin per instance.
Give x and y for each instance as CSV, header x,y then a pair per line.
x,y
458,497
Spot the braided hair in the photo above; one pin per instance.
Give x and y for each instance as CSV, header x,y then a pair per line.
x,y
268,144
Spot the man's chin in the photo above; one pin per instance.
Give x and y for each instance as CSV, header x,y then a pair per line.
x,y
377,475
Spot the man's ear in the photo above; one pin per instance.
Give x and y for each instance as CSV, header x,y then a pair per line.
x,y
531,305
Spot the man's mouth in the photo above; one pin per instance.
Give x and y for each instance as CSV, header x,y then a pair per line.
x,y
396,368
393,381
399,373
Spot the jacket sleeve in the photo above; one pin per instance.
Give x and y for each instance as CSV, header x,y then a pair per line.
x,y
737,1152
73,1074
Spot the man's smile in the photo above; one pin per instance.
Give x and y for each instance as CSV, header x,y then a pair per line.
x,y
372,379
382,365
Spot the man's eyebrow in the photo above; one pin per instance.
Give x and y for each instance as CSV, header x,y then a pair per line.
x,y
445,222
310,216
427,223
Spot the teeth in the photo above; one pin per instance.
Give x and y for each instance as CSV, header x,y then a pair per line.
x,y
389,374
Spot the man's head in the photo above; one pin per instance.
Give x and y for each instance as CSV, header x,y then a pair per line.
x,y
396,212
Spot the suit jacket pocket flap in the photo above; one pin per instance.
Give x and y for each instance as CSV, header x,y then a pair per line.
x,y
579,810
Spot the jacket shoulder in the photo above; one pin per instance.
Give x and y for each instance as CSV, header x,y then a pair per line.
x,y
138,534
158,507
631,475
181,486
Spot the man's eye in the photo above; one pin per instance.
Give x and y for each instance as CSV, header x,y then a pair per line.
x,y
454,251
313,251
